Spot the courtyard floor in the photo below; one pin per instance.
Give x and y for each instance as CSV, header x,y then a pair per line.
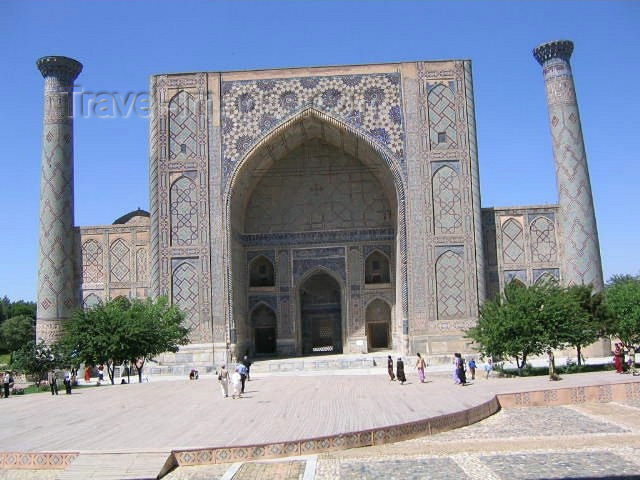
x,y
110,424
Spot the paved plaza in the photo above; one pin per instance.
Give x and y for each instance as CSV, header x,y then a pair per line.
x,y
114,426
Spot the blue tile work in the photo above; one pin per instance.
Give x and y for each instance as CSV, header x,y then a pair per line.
x,y
270,254
371,104
538,273
271,300
335,265
302,238
318,252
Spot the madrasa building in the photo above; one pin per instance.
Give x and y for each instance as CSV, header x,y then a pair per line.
x,y
316,210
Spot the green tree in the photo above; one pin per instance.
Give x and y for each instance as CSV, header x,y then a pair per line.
x,y
516,324
8,311
37,358
154,328
623,299
585,317
16,332
124,331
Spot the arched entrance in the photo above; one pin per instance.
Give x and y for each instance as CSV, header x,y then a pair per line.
x,y
313,195
263,320
321,315
378,317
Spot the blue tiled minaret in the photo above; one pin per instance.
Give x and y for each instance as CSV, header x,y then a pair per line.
x,y
580,249
56,294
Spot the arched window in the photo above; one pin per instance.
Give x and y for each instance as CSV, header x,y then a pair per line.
x,y
261,272
376,268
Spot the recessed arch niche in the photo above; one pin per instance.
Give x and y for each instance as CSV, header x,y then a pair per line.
x,y
316,184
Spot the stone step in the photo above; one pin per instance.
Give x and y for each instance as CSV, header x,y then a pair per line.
x,y
118,466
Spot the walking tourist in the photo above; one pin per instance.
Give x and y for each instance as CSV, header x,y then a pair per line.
x,y
472,368
236,382
7,383
488,367
631,362
100,373
53,382
420,366
458,375
67,381
223,380
242,370
617,357
247,363
400,371
392,376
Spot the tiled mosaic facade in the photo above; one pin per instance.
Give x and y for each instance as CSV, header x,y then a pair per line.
x,y
112,260
520,244
368,174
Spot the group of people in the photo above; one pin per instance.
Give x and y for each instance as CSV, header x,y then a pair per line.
x,y
237,378
459,374
622,366
399,373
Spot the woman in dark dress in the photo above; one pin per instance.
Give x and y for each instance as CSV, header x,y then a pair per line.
x,y
390,368
400,371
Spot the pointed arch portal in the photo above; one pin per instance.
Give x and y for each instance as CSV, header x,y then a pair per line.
x,y
307,196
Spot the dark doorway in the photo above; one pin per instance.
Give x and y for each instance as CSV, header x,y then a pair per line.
x,y
378,317
378,335
265,340
321,310
263,320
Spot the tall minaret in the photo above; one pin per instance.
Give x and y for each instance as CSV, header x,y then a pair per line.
x,y
577,221
56,295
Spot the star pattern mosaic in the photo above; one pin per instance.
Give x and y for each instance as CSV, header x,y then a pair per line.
x,y
369,103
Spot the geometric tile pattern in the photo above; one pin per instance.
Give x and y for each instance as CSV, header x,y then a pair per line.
x,y
543,240
442,116
92,263
577,216
56,297
450,286
120,261
182,121
184,293
447,202
36,461
141,265
512,241
184,212
370,104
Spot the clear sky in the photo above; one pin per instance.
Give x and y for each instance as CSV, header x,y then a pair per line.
x,y
122,43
